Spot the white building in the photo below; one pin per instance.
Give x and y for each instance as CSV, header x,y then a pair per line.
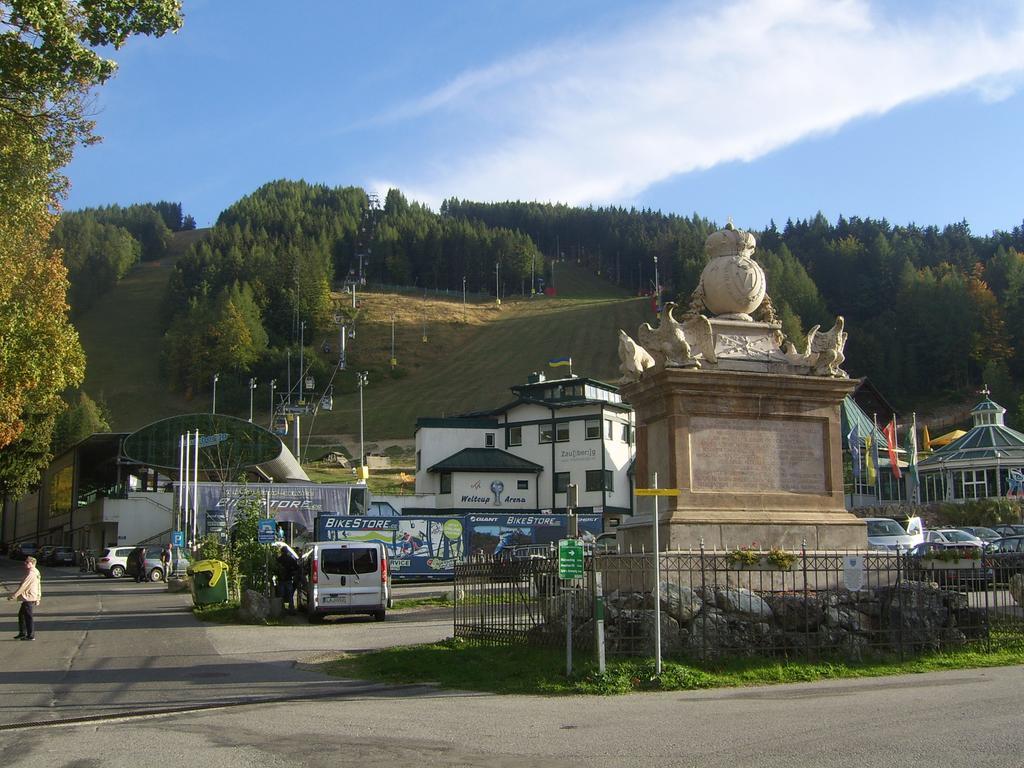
x,y
523,456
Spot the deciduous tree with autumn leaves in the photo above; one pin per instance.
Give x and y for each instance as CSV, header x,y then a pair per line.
x,y
49,64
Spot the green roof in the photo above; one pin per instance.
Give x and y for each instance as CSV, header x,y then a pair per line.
x,y
484,460
985,443
853,415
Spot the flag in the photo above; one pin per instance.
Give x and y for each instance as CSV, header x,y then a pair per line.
x,y
912,455
853,441
891,445
870,457
926,440
560,361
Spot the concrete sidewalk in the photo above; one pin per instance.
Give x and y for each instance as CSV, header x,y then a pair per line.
x,y
106,646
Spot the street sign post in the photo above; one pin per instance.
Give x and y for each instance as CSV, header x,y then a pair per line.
x,y
656,492
570,566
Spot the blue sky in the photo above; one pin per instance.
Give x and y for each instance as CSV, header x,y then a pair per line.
x,y
749,109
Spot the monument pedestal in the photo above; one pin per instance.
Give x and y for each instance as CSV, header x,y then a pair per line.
x,y
756,457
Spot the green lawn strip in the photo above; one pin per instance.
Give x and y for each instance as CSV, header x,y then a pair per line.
x,y
457,665
423,602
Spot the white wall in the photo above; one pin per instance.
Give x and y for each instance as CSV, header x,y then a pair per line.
x,y
434,444
139,517
491,491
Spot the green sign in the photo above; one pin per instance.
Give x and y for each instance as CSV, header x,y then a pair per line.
x,y
570,559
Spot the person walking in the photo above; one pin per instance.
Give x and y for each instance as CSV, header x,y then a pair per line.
x,y
30,593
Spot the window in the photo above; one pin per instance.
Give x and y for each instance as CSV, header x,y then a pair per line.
x,y
522,485
446,482
625,434
419,458
561,482
562,433
489,440
610,430
600,480
974,485
545,433
593,429
348,562
515,435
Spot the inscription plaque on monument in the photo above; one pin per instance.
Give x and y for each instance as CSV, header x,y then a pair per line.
x,y
734,454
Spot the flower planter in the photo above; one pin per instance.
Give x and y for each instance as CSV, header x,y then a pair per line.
x,y
963,563
763,564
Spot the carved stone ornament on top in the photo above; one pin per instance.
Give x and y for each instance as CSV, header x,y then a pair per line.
x,y
742,332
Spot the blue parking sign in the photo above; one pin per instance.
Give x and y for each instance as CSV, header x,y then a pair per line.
x,y
178,538
267,531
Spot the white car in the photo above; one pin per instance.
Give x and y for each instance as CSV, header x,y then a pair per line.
x,y
953,536
113,563
886,534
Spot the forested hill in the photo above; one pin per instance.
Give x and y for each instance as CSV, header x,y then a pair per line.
x,y
932,312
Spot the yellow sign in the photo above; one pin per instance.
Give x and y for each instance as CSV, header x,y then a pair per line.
x,y
657,491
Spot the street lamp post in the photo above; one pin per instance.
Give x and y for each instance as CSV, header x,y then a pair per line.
x,y
463,299
361,378
497,283
252,388
394,361
214,408
273,386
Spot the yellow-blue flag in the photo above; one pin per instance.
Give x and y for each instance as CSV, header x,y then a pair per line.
x,y
869,458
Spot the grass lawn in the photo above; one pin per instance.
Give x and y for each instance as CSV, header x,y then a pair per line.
x,y
513,670
470,358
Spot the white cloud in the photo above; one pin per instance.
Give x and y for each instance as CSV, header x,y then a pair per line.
x,y
599,119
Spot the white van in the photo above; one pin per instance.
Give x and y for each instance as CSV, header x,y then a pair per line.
x,y
341,577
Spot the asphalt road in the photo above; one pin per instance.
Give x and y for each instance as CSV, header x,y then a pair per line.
x,y
106,648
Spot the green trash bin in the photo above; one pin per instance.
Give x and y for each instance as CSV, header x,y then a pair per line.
x,y
209,582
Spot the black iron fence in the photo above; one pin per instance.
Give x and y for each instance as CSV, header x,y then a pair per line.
x,y
799,605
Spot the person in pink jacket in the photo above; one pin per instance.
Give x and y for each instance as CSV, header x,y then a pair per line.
x,y
30,593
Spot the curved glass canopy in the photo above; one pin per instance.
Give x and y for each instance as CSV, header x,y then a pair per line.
x,y
226,443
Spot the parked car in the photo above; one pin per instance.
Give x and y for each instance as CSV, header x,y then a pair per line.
x,y
61,556
606,544
886,534
983,533
1009,530
43,555
1007,556
953,536
957,564
155,566
24,549
113,563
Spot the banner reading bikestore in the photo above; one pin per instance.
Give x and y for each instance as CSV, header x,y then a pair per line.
x,y
298,503
417,547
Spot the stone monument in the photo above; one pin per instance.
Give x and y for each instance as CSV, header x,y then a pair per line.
x,y
746,427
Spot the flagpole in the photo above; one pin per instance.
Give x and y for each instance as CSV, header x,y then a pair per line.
x,y
915,484
896,457
874,452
